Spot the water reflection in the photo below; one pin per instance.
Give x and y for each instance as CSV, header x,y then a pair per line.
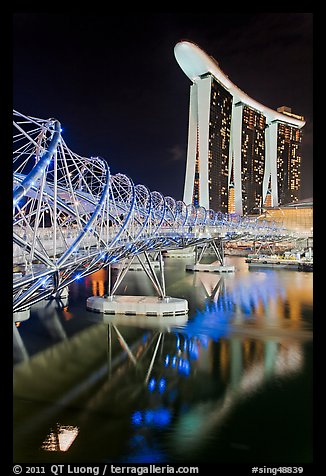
x,y
61,438
174,368
132,389
47,313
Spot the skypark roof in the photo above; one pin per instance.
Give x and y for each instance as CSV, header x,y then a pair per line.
x,y
195,63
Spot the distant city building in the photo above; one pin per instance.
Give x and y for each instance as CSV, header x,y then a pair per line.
x,y
241,155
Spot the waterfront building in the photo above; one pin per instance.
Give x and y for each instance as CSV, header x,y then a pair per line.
x,y
296,216
241,154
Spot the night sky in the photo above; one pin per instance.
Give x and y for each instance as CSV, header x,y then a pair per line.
x,y
114,84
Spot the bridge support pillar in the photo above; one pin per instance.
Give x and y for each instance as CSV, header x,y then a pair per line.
x,y
159,305
63,293
217,266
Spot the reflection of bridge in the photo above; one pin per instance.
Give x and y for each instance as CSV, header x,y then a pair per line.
x,y
72,217
141,374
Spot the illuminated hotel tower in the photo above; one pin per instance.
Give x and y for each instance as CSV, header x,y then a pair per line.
x,y
241,155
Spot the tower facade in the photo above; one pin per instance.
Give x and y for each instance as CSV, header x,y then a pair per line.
x,y
240,153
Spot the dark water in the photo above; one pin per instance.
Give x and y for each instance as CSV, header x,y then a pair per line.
x,y
231,384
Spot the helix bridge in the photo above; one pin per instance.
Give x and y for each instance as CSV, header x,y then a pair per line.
x,y
72,216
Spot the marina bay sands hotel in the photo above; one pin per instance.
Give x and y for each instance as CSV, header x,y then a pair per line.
x,y
241,155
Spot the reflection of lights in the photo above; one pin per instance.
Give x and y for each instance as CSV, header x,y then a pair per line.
x,y
246,309
61,439
151,384
289,360
204,341
136,439
184,367
193,351
162,385
252,378
143,453
159,417
67,315
178,342
149,417
136,418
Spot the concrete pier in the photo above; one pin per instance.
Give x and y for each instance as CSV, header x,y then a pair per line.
x,y
215,267
180,253
138,305
21,316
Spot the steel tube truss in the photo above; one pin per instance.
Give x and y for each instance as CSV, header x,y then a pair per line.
x,y
71,216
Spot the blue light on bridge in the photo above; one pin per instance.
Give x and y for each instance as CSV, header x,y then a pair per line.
x,y
43,282
166,360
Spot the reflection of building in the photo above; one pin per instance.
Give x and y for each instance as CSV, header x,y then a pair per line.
x,y
259,296
240,153
61,438
98,280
